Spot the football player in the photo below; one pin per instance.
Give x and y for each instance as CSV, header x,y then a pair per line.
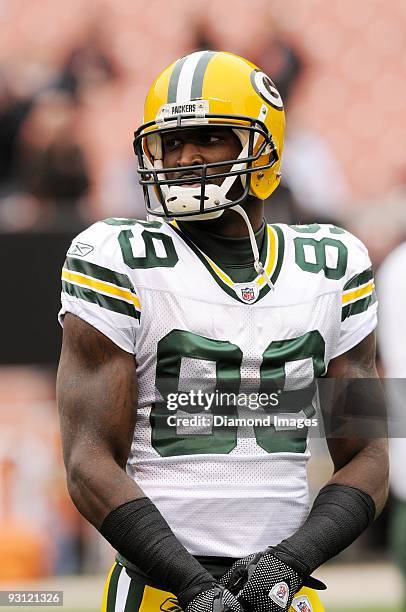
x,y
208,517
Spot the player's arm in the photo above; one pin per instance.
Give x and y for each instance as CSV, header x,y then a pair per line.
x,y
97,394
360,462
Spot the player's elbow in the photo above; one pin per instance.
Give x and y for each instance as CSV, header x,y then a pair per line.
x,y
76,480
380,452
381,497
385,484
95,482
82,487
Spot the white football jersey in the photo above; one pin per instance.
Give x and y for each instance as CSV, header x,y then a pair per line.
x,y
233,488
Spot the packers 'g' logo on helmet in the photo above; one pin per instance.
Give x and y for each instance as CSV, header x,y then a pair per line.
x,y
266,89
203,89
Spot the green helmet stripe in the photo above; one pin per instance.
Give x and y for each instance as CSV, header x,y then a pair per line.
x,y
174,80
198,76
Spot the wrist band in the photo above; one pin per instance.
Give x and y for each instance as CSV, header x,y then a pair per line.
x,y
338,516
139,532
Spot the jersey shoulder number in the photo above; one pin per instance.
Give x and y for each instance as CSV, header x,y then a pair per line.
x,y
320,249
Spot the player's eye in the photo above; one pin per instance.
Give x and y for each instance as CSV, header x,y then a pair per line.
x,y
172,144
206,139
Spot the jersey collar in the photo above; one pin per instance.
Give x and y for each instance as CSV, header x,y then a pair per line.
x,y
251,291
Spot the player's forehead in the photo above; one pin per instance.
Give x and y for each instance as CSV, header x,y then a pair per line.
x,y
198,132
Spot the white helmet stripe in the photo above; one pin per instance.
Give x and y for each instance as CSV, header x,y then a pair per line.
x,y
184,89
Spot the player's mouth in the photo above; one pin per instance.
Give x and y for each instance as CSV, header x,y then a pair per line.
x,y
190,177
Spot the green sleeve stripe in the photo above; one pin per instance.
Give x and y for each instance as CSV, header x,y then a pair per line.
x,y
359,279
112,588
82,266
120,221
358,307
105,301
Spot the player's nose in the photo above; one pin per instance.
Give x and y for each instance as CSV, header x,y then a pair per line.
x,y
190,155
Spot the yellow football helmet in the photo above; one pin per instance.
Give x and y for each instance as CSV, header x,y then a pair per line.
x,y
202,89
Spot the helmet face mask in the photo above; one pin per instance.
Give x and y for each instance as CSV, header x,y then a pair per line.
x,y
209,188
164,177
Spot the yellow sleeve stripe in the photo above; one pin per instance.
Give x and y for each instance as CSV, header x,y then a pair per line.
x,y
101,286
358,293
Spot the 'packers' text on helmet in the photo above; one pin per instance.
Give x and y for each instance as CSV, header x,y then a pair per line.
x,y
199,90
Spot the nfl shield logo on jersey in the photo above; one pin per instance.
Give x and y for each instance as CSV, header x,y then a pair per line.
x,y
302,604
280,594
247,293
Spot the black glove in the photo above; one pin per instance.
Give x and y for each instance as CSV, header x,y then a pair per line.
x,y
263,583
217,599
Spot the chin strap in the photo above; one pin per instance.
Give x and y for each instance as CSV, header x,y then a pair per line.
x,y
258,265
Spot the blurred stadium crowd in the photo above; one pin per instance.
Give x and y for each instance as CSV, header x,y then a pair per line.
x,y
72,82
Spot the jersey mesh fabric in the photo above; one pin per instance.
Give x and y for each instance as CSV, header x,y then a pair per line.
x,y
222,490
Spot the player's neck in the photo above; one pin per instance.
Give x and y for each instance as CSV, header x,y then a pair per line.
x,y
231,224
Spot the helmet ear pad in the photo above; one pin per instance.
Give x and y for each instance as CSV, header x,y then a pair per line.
x,y
264,182
153,146
260,181
151,154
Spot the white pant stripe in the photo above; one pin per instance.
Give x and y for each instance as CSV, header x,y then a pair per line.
x,y
123,586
